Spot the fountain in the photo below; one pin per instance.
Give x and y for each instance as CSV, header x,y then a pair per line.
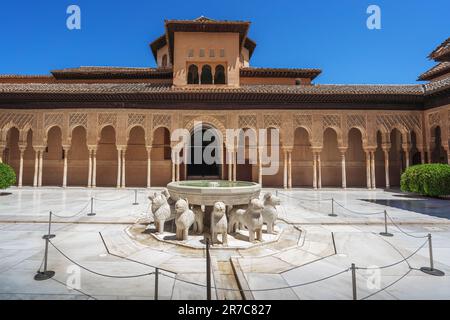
x,y
208,192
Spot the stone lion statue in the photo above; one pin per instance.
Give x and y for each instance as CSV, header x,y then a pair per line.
x,y
160,210
270,213
251,218
184,219
219,223
199,217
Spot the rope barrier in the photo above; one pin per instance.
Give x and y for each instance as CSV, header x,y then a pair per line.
x,y
74,215
78,290
404,232
111,200
312,200
98,273
388,286
358,212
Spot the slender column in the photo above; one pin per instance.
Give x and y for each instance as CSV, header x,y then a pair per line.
x,y
173,165
260,177
90,169
2,149
386,167
372,165
149,166
178,167
22,150
36,167
230,165
368,169
119,157
428,155
422,155
314,170
289,169
407,155
234,165
319,168
41,160
123,167
343,170
94,168
66,153
285,170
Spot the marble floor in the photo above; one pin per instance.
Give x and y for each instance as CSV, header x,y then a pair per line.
x,y
97,257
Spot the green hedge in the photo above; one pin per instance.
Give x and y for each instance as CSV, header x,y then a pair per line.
x,y
7,176
427,179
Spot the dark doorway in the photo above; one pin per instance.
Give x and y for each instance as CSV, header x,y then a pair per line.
x,y
204,143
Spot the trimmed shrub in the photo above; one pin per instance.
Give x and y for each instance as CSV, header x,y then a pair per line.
x,y
7,176
427,179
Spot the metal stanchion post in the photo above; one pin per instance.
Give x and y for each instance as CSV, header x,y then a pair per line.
x,y
332,214
208,271
46,274
92,213
385,233
135,198
431,270
355,297
156,283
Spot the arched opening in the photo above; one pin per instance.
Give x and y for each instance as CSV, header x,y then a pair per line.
x,y
276,156
246,150
438,154
219,75
396,158
28,161
164,61
206,77
331,160
414,152
380,173
12,152
161,169
192,74
52,171
136,158
204,154
355,160
107,158
302,158
78,158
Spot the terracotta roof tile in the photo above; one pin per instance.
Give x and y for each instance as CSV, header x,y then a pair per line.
x,y
438,70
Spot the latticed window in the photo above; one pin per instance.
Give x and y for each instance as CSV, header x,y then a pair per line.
x,y
192,77
206,77
219,75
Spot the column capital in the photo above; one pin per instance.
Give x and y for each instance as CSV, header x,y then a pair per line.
x,y
92,147
342,149
386,147
287,148
66,147
316,149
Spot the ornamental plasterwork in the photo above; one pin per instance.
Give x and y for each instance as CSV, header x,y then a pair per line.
x,y
20,120
247,121
136,119
53,119
331,120
272,120
107,119
77,119
407,121
162,120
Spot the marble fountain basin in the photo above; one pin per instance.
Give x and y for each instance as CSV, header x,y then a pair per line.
x,y
208,192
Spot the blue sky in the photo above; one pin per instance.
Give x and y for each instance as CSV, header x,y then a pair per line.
x,y
331,35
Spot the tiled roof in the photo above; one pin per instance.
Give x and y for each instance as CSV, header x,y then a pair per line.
x,y
442,52
245,94
437,86
279,72
112,73
438,70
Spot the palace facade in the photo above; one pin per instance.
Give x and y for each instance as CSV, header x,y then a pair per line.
x,y
111,126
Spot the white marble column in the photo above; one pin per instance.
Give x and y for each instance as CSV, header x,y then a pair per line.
x,y
372,169
406,149
289,169
149,166
178,167
123,167
2,149
119,165
172,160
90,168
285,169
230,165
386,167
314,170
234,165
94,168
21,150
319,174
36,167
368,170
41,164
260,176
66,154
343,170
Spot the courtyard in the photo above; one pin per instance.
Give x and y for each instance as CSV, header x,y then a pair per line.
x,y
110,256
